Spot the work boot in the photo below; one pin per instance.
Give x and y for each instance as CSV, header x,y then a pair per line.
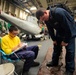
x,y
35,64
51,64
68,73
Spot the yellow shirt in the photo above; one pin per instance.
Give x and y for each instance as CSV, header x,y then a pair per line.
x,y
8,43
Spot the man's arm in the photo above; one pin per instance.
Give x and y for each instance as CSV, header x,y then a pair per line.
x,y
5,46
65,20
16,47
51,31
19,46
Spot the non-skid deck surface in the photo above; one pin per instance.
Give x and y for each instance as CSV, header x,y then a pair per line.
x,y
44,70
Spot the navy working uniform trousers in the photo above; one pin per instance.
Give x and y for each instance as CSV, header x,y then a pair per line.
x,y
70,53
29,54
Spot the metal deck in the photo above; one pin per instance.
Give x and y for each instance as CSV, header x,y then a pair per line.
x,y
44,70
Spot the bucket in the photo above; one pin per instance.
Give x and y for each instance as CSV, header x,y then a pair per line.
x,y
7,69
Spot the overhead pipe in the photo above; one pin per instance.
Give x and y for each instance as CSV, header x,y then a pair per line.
x,y
19,6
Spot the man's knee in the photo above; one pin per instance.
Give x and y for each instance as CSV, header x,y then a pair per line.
x,y
31,54
36,47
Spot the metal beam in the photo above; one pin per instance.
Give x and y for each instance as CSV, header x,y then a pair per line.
x,y
17,6
21,4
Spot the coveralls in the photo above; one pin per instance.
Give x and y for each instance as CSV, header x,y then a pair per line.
x,y
61,27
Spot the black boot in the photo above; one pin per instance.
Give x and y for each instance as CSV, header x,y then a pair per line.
x,y
51,64
35,64
68,73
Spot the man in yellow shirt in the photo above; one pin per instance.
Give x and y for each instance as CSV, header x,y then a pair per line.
x,y
11,42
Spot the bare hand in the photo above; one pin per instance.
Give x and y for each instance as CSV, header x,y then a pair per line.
x,y
63,43
54,42
22,44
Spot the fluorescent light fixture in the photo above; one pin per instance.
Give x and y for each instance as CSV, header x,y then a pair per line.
x,y
27,11
33,8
